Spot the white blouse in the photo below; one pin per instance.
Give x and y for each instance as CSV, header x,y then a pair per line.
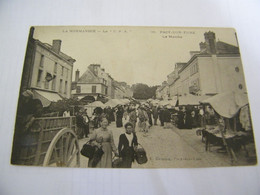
x,y
129,137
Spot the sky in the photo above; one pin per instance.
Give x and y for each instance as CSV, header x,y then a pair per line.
x,y
130,54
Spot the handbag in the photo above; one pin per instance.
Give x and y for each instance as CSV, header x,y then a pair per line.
x,y
117,162
140,155
88,150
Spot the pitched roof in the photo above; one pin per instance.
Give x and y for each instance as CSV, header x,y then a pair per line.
x,y
225,48
88,77
60,54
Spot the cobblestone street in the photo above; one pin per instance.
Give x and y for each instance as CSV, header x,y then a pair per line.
x,y
171,148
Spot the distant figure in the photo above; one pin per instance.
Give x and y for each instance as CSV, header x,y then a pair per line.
x,y
81,124
133,117
119,116
66,113
86,121
188,118
161,116
149,113
181,118
166,118
155,115
143,119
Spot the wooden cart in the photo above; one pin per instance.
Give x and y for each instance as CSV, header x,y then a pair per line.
x,y
51,141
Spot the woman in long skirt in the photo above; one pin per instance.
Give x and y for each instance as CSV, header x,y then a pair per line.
x,y
127,145
103,138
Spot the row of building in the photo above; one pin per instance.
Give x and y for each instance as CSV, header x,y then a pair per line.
x,y
48,73
216,68
95,82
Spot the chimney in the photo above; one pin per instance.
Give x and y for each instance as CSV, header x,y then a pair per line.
x,y
202,46
77,75
31,32
94,68
56,45
210,39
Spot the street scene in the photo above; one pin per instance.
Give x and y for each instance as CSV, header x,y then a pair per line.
x,y
133,97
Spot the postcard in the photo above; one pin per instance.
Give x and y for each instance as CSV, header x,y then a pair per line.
x,y
133,97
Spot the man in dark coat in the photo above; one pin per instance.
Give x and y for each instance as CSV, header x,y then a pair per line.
x,y
167,118
155,115
119,116
161,116
149,113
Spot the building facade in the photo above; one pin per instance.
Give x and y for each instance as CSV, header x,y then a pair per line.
x,y
97,83
162,92
93,82
47,71
216,68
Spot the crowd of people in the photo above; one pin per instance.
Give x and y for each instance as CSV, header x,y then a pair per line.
x,y
133,116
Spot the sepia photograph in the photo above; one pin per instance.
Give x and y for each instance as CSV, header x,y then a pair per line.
x,y
133,97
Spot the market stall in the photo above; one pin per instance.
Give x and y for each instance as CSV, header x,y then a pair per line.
x,y
232,129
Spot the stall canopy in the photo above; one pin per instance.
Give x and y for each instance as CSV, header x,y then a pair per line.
x,y
124,101
46,97
191,100
113,102
168,102
227,104
97,104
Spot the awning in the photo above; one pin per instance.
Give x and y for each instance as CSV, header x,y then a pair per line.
x,y
113,102
227,104
46,97
97,104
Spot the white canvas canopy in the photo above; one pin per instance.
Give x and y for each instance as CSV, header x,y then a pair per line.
x,y
168,102
97,104
113,102
227,104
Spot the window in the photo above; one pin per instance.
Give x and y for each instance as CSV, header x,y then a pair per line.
x,y
55,67
237,69
106,91
42,61
53,86
194,69
78,89
39,78
94,89
240,86
46,84
67,73
66,85
60,90
62,70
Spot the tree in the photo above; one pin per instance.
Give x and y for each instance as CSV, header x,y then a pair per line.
x,y
143,91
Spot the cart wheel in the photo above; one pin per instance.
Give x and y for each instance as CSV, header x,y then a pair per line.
x,y
64,150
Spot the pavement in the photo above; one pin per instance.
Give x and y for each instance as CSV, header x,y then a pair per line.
x,y
171,148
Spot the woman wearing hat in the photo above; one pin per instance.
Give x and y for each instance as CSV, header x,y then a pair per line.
x,y
127,145
103,138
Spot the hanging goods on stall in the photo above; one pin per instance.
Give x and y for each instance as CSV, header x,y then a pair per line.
x,y
140,155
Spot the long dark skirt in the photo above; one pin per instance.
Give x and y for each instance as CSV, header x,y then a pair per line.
x,y
128,158
119,122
